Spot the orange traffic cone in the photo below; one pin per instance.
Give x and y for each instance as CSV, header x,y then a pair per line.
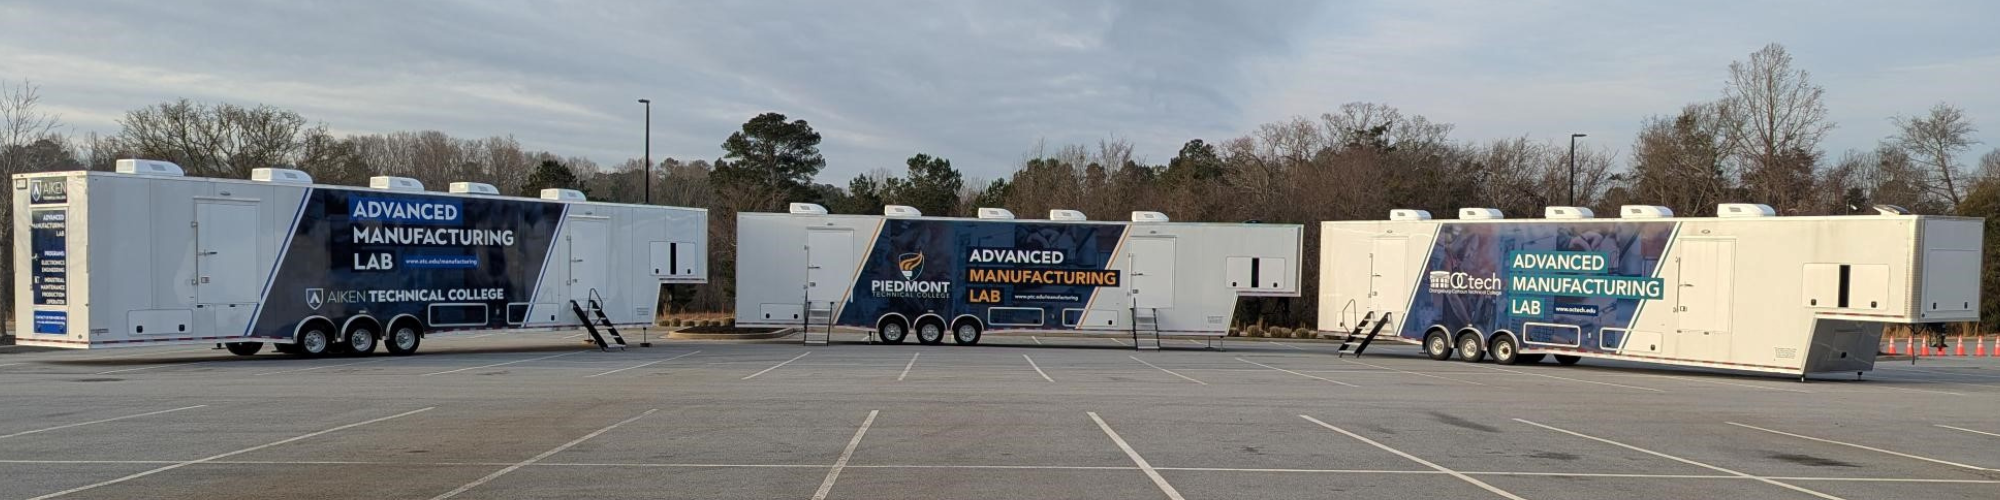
x,y
1961,346
1892,348
1979,348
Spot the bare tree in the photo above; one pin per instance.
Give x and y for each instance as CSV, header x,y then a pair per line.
x,y
223,140
21,119
1936,140
1989,167
1776,119
1680,161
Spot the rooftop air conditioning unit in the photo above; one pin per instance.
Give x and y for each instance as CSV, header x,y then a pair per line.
x,y
807,209
1735,210
1644,212
280,175
1568,213
474,188
1060,214
149,167
1480,214
901,211
563,195
389,183
1409,214
1148,217
995,213
1886,209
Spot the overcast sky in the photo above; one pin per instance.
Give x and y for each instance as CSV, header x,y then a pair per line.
x,y
983,82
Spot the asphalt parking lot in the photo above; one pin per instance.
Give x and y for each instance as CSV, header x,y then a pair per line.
x,y
539,416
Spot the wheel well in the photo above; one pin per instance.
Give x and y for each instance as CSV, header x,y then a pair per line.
x,y
1462,332
967,318
1504,333
406,320
322,322
358,321
1439,330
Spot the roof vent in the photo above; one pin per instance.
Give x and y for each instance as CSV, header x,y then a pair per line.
x,y
995,213
1148,217
149,167
389,183
1568,213
807,209
563,195
1060,214
1409,214
1480,214
474,188
901,211
280,175
1735,210
1644,212
1891,210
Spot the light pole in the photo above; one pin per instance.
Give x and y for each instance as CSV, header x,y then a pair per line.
x,y
1572,168
649,150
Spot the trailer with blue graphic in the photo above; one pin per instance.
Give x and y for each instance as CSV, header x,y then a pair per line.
x,y
1747,290
901,273
147,256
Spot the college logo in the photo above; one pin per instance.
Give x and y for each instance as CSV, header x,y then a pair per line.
x,y
1462,283
912,264
315,297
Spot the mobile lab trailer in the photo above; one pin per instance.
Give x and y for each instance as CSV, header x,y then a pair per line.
x,y
902,272
145,256
1743,291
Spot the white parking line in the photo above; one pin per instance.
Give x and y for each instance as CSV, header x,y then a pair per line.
x,y
1413,458
322,367
906,368
1572,379
1765,480
229,454
1038,368
1158,480
503,364
1169,372
11,364
1936,372
1941,425
149,367
537,458
1297,373
1038,340
643,365
1864,447
833,474
113,419
1118,340
1411,372
787,362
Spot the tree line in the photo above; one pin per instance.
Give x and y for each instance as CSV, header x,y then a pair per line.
x,y
1758,141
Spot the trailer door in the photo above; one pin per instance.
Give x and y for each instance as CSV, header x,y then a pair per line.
x,y
1707,271
1152,272
589,256
829,264
1389,280
225,235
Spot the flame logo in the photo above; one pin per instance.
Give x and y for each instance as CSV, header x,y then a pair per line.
x,y
912,264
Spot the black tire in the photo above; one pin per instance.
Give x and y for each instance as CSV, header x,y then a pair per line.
x,y
361,341
1437,346
314,341
967,333
892,331
1529,359
285,348
930,332
1469,349
1567,360
403,339
244,348
1504,350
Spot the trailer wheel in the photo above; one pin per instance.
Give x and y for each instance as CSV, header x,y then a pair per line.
x,y
1568,360
1504,350
403,339
930,332
892,330
314,341
285,348
360,341
967,333
1437,346
1469,349
244,348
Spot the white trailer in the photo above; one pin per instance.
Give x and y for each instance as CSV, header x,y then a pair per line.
x,y
1743,291
146,256
900,272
